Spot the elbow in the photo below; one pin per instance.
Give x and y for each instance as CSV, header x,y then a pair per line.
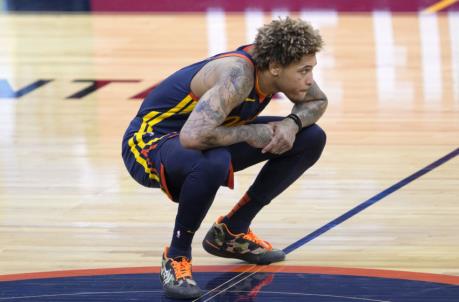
x,y
188,141
324,103
322,108
193,141
324,99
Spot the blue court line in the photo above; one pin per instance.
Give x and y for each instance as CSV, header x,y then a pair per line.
x,y
369,202
334,223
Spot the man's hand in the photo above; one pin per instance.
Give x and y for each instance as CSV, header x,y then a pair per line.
x,y
284,134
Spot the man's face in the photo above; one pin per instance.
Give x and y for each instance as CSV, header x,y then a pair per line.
x,y
295,79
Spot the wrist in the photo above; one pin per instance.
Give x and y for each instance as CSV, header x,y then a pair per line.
x,y
296,120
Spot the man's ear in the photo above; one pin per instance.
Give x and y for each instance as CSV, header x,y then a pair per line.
x,y
274,68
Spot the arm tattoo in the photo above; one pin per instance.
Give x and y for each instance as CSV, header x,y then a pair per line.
x,y
313,107
204,107
204,123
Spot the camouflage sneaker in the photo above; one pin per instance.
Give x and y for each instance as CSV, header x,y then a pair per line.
x,y
176,278
219,241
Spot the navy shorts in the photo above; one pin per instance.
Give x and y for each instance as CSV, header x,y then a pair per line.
x,y
165,163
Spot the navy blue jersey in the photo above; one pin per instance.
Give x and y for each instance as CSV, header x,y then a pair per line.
x,y
167,107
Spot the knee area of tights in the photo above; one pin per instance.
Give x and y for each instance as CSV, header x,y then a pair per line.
x,y
314,134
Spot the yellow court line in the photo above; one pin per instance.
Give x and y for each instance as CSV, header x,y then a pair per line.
x,y
439,6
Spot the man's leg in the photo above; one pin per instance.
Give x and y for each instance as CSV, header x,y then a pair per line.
x,y
276,175
230,236
194,177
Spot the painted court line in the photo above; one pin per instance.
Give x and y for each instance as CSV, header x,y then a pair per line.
x,y
253,269
82,294
226,289
438,6
370,202
210,292
353,211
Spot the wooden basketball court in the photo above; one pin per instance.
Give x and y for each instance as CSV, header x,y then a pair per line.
x,y
68,87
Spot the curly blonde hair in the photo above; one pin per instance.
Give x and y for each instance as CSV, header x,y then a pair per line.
x,y
285,41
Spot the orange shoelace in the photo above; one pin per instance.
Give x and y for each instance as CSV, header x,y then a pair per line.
x,y
182,268
252,237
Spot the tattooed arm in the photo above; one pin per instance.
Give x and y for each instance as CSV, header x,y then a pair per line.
x,y
313,106
308,110
227,82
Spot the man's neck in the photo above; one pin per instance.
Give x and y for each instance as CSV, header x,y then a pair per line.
x,y
266,83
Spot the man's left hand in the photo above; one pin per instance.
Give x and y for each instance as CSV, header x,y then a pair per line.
x,y
283,137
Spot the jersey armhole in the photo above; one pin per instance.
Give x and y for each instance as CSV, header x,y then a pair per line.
x,y
235,55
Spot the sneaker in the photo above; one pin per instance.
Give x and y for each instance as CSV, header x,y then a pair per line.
x,y
219,241
176,278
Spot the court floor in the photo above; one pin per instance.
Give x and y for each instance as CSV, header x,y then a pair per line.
x,y
376,219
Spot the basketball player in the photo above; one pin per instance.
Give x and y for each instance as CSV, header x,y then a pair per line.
x,y
199,126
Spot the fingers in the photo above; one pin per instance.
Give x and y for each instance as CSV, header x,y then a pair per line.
x,y
276,148
280,148
278,144
269,147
